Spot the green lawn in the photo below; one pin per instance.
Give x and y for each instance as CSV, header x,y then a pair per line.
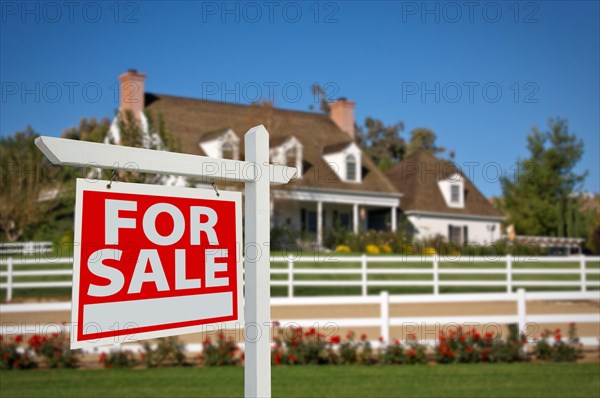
x,y
501,380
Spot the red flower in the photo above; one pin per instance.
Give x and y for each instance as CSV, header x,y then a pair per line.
x,y
462,338
102,358
380,339
335,340
469,349
411,352
363,337
18,338
557,337
411,336
6,356
16,363
350,335
277,359
292,358
397,342
451,354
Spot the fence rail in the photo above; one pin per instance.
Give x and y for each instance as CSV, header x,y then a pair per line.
x,y
384,321
504,267
25,248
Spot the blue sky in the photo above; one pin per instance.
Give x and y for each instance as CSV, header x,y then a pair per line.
x,y
480,76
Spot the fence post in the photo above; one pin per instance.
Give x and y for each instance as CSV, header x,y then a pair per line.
x,y
583,273
522,310
384,311
436,275
364,274
290,279
508,273
9,279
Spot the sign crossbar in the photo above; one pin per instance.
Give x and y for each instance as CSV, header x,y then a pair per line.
x,y
67,152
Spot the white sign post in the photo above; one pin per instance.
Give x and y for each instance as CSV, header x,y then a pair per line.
x,y
257,174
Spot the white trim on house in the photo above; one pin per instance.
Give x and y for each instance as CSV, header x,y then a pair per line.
x,y
453,215
339,196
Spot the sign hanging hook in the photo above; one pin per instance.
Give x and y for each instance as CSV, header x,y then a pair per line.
x,y
112,178
215,188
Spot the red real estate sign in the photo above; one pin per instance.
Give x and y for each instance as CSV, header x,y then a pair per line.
x,y
153,261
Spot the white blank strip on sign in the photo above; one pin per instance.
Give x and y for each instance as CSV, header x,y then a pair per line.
x,y
152,312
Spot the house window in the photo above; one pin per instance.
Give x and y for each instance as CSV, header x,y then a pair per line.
x,y
291,157
227,150
455,193
455,234
351,168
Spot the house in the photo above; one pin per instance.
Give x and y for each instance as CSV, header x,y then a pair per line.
x,y
337,185
438,199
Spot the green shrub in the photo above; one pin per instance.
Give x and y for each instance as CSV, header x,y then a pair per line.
x,y
552,347
221,353
12,356
169,351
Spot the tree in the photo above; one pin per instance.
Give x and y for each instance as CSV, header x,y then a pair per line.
x,y
539,198
320,95
88,130
423,139
383,143
25,178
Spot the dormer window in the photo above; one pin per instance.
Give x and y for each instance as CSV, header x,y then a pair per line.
x,y
287,151
453,190
351,167
222,144
345,160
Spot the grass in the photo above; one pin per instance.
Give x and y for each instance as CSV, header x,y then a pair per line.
x,y
499,380
338,262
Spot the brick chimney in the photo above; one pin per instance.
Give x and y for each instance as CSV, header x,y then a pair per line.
x,y
342,113
132,92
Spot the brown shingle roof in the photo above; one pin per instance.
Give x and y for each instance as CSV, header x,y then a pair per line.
x,y
417,178
189,119
336,147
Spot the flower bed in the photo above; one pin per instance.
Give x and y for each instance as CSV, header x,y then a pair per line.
x,y
296,346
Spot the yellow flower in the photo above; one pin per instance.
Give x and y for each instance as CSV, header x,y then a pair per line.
x,y
429,251
372,249
342,249
385,248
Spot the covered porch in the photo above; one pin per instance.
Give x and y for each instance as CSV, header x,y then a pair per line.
x,y
314,212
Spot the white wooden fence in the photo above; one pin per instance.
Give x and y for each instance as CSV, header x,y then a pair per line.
x,y
503,266
25,248
525,321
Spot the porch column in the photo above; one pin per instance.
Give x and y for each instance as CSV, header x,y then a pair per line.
x,y
319,223
394,219
355,218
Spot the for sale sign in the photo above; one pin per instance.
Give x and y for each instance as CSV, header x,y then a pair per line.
x,y
153,261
